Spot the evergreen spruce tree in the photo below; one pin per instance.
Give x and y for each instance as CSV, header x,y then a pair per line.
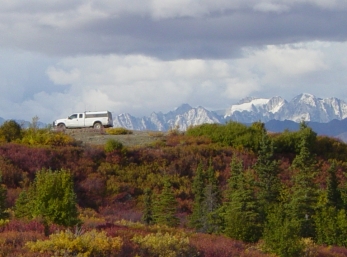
x,y
166,206
147,216
304,191
333,192
282,233
3,195
330,219
196,218
331,226
326,225
241,210
267,171
236,168
23,208
341,228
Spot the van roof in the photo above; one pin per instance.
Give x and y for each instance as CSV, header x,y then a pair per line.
x,y
96,111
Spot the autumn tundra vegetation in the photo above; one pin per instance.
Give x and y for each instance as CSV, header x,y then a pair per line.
x,y
215,190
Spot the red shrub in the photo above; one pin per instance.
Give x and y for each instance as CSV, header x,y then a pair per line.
x,y
220,246
12,195
23,226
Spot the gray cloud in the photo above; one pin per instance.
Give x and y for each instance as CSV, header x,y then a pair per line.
x,y
210,32
134,56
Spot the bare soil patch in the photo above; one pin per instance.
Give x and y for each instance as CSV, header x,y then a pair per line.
x,y
99,137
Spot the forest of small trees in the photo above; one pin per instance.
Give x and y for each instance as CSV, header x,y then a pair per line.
x,y
214,190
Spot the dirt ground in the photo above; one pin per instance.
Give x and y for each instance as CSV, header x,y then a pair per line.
x,y
99,137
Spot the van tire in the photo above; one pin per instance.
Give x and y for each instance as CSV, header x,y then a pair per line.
x,y
62,126
97,125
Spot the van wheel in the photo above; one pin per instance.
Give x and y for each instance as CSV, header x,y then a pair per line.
x,y
62,126
97,125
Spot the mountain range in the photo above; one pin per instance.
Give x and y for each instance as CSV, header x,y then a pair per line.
x,y
326,116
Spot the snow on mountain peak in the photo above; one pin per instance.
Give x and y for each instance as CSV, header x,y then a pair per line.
x,y
249,106
302,107
306,99
275,104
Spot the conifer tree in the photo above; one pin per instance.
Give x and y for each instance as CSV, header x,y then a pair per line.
x,y
147,216
23,206
304,191
241,210
333,192
330,219
267,171
198,187
282,233
236,168
3,195
326,225
166,206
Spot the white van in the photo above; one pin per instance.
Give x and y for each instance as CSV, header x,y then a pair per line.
x,y
96,120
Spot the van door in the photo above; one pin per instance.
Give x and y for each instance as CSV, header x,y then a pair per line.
x,y
80,120
75,120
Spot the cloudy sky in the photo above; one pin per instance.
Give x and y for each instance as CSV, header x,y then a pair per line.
x,y
144,56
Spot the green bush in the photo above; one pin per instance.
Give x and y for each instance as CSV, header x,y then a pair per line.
x,y
112,144
50,197
10,131
231,134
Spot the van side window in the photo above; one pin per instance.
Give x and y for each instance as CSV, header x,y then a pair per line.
x,y
73,116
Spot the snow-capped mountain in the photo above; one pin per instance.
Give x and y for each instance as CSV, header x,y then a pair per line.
x,y
302,107
181,118
310,108
249,109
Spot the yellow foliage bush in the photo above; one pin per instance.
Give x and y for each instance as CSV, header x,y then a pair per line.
x,y
59,139
118,131
165,245
90,218
66,243
310,248
3,222
45,137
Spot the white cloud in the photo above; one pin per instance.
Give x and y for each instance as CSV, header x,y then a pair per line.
x,y
239,87
61,77
287,61
271,7
140,84
75,17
